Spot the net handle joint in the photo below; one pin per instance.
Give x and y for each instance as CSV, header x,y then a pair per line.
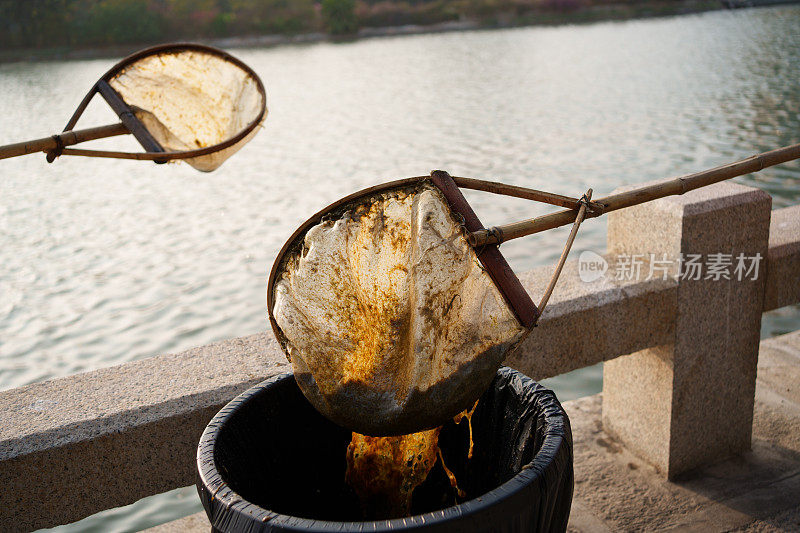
x,y
495,265
58,150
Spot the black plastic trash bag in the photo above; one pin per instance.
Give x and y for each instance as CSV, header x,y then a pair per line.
x,y
269,461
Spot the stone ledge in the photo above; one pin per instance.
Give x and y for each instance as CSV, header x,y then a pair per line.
x,y
587,323
616,491
62,411
107,438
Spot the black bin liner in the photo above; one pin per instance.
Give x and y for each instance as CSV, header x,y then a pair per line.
x,y
268,461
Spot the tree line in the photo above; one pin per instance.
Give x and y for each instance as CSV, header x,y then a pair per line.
x,y
83,23
51,23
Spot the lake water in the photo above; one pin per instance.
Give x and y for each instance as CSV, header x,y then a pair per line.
x,y
109,261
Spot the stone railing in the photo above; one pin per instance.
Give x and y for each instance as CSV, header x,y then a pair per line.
x,y
678,387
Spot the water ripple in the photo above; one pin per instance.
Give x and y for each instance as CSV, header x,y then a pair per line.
x,y
109,261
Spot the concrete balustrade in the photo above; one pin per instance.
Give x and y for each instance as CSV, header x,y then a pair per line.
x,y
74,446
689,401
783,259
678,388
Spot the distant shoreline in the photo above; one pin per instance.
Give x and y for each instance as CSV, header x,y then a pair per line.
x,y
583,15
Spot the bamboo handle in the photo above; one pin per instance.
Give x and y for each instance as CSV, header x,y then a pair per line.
x,y
638,196
517,192
68,138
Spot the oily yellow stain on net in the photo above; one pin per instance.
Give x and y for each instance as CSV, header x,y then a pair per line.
x,y
389,321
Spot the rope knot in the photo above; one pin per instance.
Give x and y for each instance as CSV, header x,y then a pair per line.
x,y
58,150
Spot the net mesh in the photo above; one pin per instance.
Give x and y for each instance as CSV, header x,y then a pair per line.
x,y
191,99
389,320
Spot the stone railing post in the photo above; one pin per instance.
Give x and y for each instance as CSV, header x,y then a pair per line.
x,y
690,403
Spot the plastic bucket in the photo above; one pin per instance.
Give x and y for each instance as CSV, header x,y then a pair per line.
x,y
269,462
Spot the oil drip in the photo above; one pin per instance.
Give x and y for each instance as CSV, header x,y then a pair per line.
x,y
468,415
452,477
384,471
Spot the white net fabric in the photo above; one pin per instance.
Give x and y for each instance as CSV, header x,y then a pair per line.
x,y
191,99
389,320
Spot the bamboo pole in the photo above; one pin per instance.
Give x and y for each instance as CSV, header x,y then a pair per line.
x,y
675,186
68,138
517,192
